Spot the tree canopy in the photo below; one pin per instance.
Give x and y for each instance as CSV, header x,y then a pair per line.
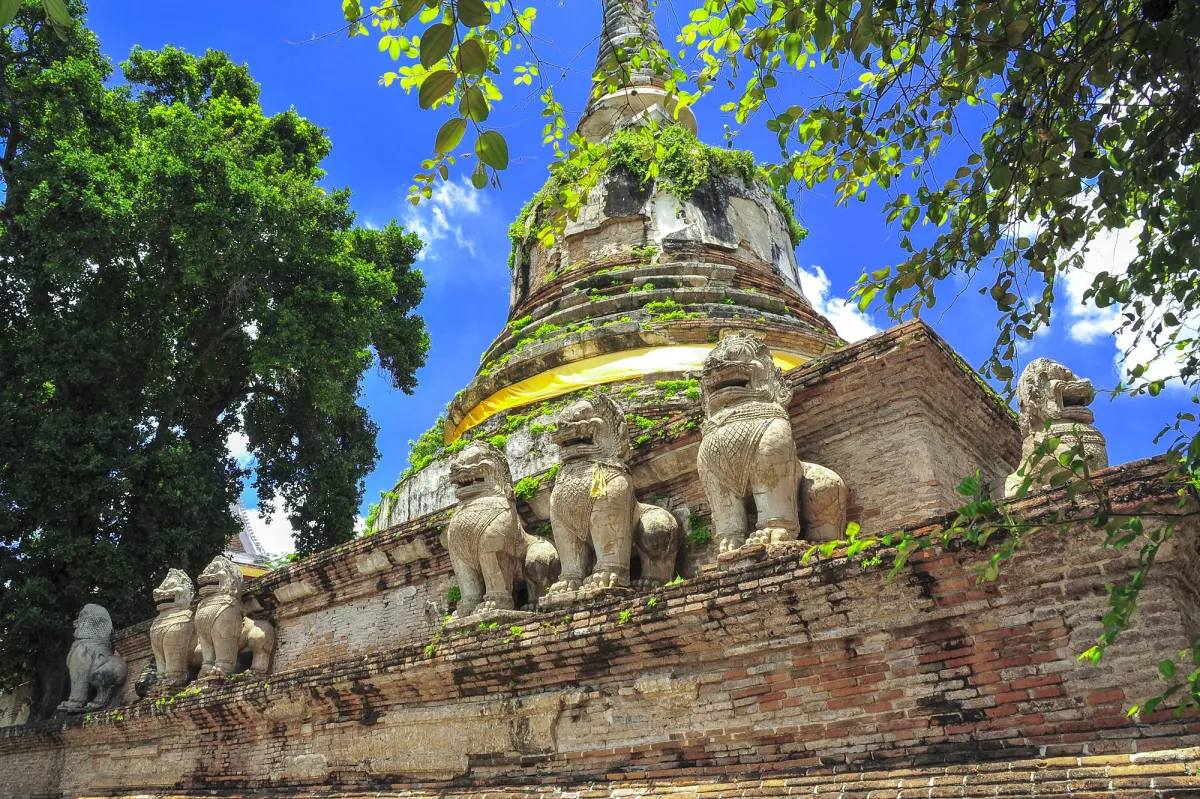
x,y
1007,137
174,273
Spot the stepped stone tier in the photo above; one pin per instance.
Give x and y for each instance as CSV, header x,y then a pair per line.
x,y
606,585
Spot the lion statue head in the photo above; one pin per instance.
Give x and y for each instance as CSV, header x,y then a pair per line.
x,y
479,470
592,428
740,369
1050,392
175,591
221,577
93,624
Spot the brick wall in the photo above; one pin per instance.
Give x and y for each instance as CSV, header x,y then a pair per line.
x,y
902,419
824,673
861,412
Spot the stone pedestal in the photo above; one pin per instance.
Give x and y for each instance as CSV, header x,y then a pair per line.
x,y
566,599
501,618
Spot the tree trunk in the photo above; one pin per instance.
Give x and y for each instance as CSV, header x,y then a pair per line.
x,y
50,686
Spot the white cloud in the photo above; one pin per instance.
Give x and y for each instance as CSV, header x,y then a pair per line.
x,y
275,536
1111,252
440,218
850,323
238,445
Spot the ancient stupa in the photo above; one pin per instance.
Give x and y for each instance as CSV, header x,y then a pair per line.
x,y
607,586
638,289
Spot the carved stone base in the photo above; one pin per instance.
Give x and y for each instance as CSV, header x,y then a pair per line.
x,y
566,599
747,553
752,553
165,690
783,549
212,678
502,618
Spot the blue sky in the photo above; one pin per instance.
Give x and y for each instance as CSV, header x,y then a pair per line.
x,y
379,138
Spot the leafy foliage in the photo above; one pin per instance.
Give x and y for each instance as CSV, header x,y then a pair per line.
x,y
451,65
671,156
57,14
689,387
426,448
698,534
174,274
527,487
796,232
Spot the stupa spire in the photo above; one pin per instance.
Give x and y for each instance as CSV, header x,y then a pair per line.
x,y
627,26
623,21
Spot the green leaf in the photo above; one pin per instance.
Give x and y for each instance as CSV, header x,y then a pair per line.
x,y
435,86
409,9
864,299
474,105
1016,30
479,178
473,13
57,11
1166,667
492,149
472,57
969,487
435,43
823,33
793,46
450,134
8,10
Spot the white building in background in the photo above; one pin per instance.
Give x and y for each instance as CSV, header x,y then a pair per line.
x,y
243,547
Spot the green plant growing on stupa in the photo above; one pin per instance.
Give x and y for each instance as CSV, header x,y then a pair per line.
x,y
698,534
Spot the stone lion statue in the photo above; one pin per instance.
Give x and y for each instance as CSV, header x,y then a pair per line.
x,y
1053,402
593,511
95,669
747,450
173,633
221,626
489,548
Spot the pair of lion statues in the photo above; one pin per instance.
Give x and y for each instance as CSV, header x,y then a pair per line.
x,y
747,453
213,636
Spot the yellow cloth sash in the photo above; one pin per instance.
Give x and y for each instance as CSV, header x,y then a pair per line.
x,y
594,371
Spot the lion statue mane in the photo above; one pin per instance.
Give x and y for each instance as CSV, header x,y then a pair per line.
x,y
173,632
